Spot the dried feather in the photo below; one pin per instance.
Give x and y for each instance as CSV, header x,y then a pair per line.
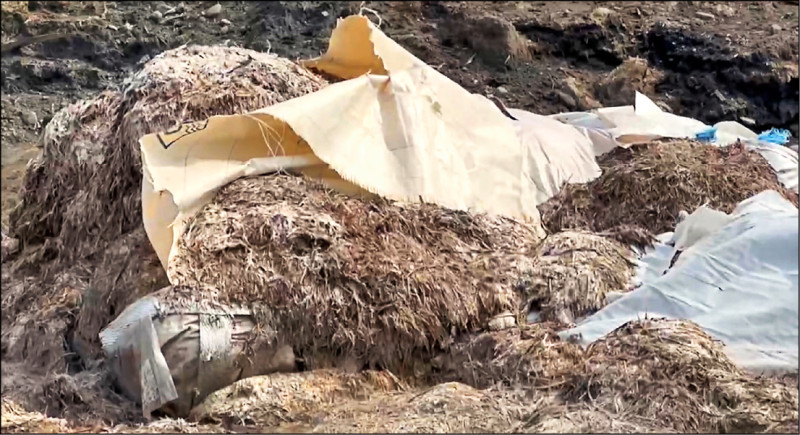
x,y
375,281
643,189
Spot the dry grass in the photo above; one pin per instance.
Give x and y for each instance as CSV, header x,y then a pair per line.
x,y
15,419
10,246
619,87
337,402
671,372
287,397
97,140
652,376
646,377
59,196
79,218
127,270
37,316
646,186
573,275
53,317
528,356
363,284
11,7
341,278
77,400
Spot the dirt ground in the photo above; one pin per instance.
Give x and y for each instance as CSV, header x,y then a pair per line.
x,y
710,60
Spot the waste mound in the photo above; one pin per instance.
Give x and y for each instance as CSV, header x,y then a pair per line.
x,y
86,184
79,221
573,276
341,278
673,372
646,186
398,316
372,401
75,399
618,384
525,356
729,273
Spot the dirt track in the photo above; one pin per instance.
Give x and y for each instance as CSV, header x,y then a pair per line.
x,y
710,60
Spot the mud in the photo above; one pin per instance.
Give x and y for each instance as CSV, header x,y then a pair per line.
x,y
546,57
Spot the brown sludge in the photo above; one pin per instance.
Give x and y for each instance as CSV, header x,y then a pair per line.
x,y
344,279
644,187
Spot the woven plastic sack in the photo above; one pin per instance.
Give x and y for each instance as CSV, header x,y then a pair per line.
x,y
169,351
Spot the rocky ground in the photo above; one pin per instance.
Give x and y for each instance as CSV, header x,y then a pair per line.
x,y
709,60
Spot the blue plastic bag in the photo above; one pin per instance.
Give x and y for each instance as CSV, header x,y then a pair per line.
x,y
777,136
709,135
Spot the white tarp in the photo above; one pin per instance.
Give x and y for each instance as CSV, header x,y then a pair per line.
x,y
783,160
558,153
739,283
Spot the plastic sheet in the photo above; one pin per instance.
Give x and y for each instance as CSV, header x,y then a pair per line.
x,y
168,353
709,135
394,127
777,136
739,283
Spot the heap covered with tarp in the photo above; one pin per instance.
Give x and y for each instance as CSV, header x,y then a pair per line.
x,y
395,127
644,121
408,224
734,274
729,195
396,270
646,187
335,279
391,220
77,236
